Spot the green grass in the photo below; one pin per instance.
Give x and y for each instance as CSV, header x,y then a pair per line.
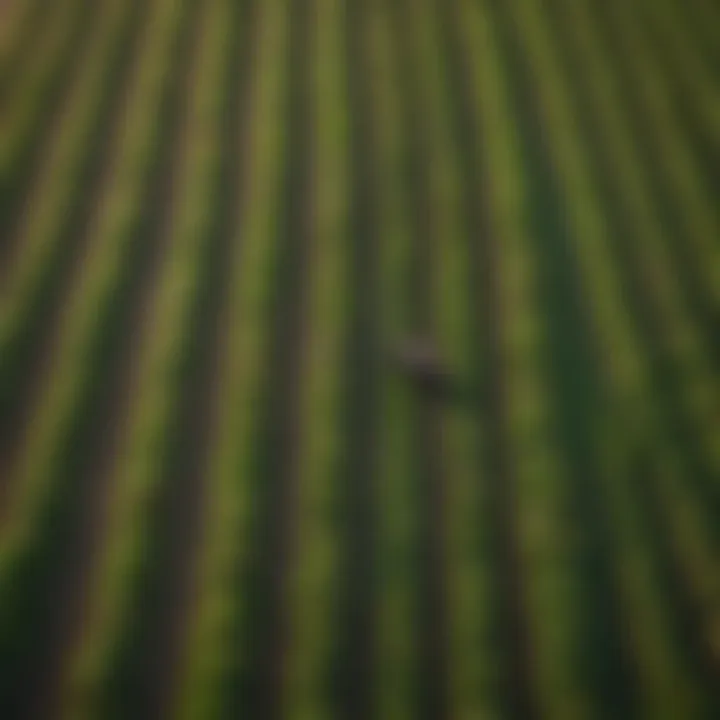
x,y
219,498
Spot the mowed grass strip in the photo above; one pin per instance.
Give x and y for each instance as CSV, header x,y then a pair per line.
x,y
670,147
177,531
93,298
394,665
219,630
83,446
690,559
15,16
545,547
432,475
316,574
45,576
597,649
705,23
690,92
696,516
693,85
20,27
57,224
277,443
40,88
43,100
97,687
351,665
465,565
673,332
689,198
44,589
41,129
31,242
476,653
668,686
580,28
46,38
686,72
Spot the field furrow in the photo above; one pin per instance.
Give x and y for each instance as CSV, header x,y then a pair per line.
x,y
603,674
315,619
504,286
675,344
110,392
476,677
410,28
29,117
694,89
690,81
21,26
279,426
674,175
395,666
222,626
126,649
58,230
41,196
704,17
625,368
359,359
351,662
53,464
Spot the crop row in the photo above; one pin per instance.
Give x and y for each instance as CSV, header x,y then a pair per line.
x,y
216,494
67,424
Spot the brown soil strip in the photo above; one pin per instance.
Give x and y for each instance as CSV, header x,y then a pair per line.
x,y
92,453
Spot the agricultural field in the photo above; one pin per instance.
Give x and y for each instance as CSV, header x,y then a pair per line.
x,y
219,495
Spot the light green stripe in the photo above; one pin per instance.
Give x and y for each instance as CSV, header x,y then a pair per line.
x,y
697,207
317,574
138,472
14,19
397,509
624,366
211,656
57,184
680,57
94,290
681,336
537,466
681,504
38,74
471,656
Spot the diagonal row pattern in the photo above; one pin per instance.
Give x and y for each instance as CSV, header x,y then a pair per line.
x,y
217,498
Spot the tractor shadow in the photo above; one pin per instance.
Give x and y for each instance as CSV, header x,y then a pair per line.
x,y
452,392
445,390
420,366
